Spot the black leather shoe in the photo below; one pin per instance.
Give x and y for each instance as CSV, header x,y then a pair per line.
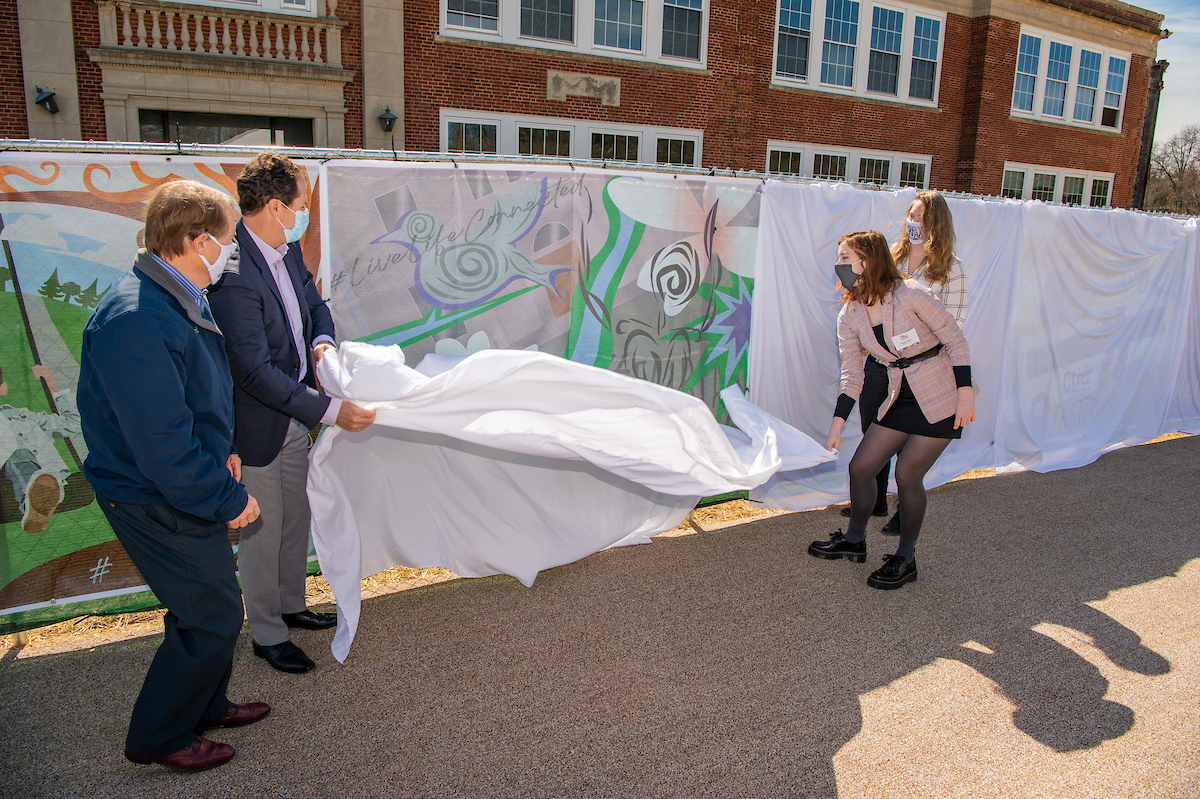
x,y
880,510
893,525
893,573
838,547
285,657
310,620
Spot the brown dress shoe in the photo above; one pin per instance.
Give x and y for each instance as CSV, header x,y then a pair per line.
x,y
238,716
202,754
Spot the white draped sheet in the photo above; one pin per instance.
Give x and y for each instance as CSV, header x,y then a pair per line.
x,y
512,462
1084,326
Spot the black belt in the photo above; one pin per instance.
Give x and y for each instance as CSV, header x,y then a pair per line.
x,y
904,363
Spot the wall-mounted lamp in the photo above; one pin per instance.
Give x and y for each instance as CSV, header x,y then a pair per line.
x,y
387,119
45,98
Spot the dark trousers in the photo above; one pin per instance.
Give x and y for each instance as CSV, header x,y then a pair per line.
x,y
874,392
188,563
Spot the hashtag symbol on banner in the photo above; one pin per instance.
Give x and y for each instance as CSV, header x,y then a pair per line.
x,y
100,570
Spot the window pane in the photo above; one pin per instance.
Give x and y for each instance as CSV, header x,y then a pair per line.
x,y
1073,191
619,24
920,83
1027,67
455,137
912,174
548,19
1099,193
470,137
783,162
614,147
1043,187
795,22
1114,88
829,167
874,170
1014,184
681,152
543,141
481,14
681,28
841,34
926,33
883,70
1058,73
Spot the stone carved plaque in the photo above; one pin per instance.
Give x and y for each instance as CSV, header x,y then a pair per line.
x,y
561,85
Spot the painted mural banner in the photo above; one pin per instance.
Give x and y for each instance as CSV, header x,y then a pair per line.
x,y
70,226
647,274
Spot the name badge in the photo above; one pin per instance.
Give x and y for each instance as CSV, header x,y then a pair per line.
x,y
906,340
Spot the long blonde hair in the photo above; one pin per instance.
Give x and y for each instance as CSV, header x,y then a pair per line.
x,y
938,226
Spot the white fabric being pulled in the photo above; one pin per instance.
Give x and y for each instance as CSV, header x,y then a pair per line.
x,y
511,462
1084,326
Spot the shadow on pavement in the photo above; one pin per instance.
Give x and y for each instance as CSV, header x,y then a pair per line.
x,y
723,664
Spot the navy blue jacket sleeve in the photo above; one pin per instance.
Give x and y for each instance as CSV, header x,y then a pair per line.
x,y
143,377
238,309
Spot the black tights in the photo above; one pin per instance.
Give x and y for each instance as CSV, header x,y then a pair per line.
x,y
917,456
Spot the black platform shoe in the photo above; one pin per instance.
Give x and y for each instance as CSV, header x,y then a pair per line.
x,y
838,547
893,525
893,573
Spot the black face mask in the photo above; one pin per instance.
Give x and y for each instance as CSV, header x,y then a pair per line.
x,y
845,273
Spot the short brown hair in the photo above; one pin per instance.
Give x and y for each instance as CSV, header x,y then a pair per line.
x,y
184,209
880,274
268,176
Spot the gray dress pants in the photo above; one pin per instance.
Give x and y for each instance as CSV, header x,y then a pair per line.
x,y
273,552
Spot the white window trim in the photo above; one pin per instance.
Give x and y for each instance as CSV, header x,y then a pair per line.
x,y
265,6
508,143
509,32
862,53
853,155
1039,90
1059,179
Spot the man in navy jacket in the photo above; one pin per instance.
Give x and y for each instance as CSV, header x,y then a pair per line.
x,y
277,326
156,407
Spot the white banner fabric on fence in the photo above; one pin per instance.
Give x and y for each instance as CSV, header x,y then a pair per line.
x,y
1083,326
512,462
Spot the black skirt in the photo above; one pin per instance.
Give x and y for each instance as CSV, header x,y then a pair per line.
x,y
906,416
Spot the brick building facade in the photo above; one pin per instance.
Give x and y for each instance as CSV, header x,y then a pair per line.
x,y
1040,99
897,93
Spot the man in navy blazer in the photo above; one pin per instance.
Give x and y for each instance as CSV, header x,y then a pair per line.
x,y
276,328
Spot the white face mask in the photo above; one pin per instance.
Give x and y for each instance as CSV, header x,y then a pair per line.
x,y
218,266
914,231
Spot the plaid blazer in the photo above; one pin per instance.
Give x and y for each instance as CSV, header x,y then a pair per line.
x,y
905,308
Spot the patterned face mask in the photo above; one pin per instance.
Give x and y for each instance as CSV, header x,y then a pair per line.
x,y
914,231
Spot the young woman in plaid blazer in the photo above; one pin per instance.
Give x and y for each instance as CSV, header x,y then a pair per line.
x,y
925,255
929,395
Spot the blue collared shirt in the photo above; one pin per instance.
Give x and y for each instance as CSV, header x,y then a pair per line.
x,y
198,294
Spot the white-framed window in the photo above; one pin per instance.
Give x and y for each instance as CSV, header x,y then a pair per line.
x,y
542,140
1053,185
472,136
465,131
868,48
302,8
822,162
1058,79
662,31
548,19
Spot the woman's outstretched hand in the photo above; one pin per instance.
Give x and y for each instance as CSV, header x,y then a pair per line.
x,y
833,441
964,412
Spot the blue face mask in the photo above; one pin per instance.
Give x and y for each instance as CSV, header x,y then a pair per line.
x,y
296,231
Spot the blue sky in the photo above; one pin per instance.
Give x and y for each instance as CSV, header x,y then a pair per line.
x,y
1180,102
